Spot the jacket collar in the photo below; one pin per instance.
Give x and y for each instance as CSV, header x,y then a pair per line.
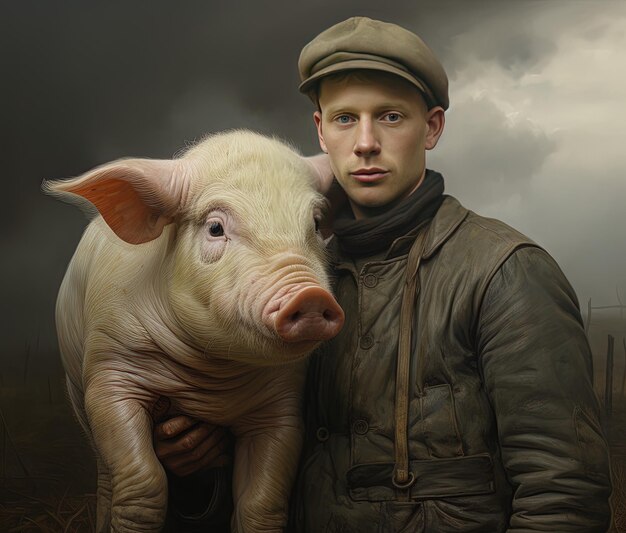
x,y
445,222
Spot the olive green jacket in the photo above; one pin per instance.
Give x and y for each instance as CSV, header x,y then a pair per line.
x,y
503,421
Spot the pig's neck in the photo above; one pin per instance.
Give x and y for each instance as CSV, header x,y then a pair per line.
x,y
153,308
183,360
180,350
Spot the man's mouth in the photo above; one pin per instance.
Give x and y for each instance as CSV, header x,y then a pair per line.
x,y
369,175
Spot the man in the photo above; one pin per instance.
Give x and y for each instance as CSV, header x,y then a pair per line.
x,y
458,396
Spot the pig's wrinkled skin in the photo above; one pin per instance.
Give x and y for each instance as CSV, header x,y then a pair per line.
x,y
157,302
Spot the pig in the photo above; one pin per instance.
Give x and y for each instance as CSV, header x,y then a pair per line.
x,y
201,278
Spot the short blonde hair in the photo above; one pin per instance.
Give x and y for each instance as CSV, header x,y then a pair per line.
x,y
360,75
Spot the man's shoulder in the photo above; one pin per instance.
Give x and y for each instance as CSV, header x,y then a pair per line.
x,y
501,230
455,226
479,247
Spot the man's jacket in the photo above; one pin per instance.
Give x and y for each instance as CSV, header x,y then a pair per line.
x,y
503,431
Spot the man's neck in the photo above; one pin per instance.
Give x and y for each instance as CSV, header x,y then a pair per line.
x,y
361,212
371,235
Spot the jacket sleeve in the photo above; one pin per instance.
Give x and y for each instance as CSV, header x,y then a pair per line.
x,y
537,370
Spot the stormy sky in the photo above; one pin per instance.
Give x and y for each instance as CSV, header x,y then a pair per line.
x,y
534,135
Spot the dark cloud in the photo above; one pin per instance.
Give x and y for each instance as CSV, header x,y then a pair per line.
x,y
92,82
519,47
87,82
521,36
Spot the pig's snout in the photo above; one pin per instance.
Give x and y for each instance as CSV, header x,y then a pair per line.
x,y
311,314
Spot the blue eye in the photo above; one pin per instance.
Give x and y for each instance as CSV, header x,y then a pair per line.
x,y
343,119
392,117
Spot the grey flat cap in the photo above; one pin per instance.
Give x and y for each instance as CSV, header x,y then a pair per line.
x,y
363,43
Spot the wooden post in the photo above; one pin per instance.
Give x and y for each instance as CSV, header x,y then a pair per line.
x,y
624,374
588,317
608,384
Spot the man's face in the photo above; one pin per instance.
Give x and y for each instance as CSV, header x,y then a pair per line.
x,y
375,128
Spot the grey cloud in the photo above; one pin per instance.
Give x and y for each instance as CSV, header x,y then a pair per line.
x,y
517,51
486,159
583,229
520,36
95,81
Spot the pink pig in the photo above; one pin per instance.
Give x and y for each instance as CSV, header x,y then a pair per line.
x,y
203,280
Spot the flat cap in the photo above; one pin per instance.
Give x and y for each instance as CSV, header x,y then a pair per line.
x,y
362,43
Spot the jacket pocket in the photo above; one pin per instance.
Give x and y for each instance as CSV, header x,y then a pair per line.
x,y
400,517
435,422
467,514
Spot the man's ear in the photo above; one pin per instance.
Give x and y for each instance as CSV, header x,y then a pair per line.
x,y
435,120
317,118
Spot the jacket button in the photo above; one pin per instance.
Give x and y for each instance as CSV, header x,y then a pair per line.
x,y
370,280
366,342
322,434
360,427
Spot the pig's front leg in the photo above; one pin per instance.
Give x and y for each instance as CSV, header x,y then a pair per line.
x,y
265,463
103,501
103,494
122,432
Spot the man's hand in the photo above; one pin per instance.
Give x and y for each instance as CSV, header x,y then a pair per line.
x,y
186,445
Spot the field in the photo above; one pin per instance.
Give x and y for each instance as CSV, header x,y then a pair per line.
x,y
47,471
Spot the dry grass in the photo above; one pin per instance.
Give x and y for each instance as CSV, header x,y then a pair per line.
x,y
60,463
23,513
619,494
617,439
47,475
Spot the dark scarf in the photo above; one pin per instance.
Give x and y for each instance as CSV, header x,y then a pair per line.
x,y
372,235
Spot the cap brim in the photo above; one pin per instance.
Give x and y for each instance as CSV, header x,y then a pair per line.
x,y
361,64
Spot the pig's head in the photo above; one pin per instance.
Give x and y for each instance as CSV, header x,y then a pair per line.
x,y
244,276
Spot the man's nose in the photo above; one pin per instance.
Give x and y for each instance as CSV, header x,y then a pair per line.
x,y
366,143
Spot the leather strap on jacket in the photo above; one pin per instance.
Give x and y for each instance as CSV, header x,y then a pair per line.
x,y
403,478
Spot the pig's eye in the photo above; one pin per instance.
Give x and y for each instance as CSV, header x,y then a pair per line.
x,y
216,229
215,240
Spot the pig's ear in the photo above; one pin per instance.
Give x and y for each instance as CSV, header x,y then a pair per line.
x,y
136,197
322,173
